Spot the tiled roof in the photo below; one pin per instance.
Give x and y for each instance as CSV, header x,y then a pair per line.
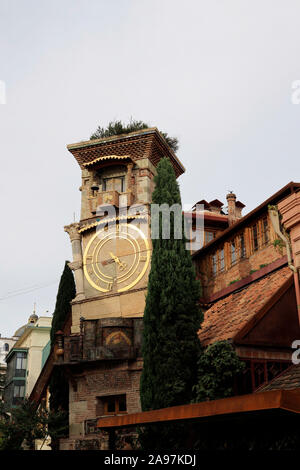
x,y
288,380
146,143
228,316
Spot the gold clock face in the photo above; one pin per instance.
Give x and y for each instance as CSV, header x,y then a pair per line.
x,y
117,258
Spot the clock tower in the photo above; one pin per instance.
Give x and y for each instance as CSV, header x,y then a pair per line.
x,y
111,249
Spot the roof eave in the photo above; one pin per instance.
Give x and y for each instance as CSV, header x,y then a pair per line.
x,y
150,130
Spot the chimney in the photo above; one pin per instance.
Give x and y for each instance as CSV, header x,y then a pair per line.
x,y
231,198
234,208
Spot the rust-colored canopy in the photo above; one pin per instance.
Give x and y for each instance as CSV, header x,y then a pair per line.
x,y
284,400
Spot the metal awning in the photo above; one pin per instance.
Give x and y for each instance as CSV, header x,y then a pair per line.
x,y
278,400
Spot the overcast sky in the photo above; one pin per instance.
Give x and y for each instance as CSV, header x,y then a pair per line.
x,y
217,74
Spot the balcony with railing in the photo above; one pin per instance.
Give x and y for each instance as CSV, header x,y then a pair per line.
x,y
103,339
114,198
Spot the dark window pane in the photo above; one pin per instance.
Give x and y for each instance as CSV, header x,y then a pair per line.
x,y
222,260
208,236
255,237
111,406
233,253
242,245
265,230
122,403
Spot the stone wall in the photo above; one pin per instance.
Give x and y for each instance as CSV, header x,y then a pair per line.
x,y
101,382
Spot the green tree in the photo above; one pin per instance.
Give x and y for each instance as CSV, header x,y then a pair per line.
x,y
58,385
118,127
27,423
66,293
218,367
172,318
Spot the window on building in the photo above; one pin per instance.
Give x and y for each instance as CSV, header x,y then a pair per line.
x,y
20,364
214,264
265,231
115,404
242,246
255,244
221,260
208,236
258,372
233,252
19,391
6,347
114,184
218,262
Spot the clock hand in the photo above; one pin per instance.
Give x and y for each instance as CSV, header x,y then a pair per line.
x,y
116,259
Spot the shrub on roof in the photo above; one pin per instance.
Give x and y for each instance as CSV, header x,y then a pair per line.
x,y
118,127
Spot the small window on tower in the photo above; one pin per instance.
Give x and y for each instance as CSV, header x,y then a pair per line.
x,y
114,184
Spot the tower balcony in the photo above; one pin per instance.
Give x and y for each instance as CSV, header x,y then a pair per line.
x,y
110,198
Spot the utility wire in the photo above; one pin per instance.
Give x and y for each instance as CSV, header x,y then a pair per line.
x,y
26,290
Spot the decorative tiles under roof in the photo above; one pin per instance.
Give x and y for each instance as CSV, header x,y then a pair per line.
x,y
107,157
105,221
226,318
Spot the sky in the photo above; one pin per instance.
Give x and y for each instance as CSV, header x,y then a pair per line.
x,y
217,74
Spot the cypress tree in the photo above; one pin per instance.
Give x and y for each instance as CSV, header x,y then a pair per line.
x,y
59,386
172,317
66,293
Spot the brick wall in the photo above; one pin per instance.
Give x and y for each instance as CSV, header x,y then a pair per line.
x,y
105,380
213,284
252,261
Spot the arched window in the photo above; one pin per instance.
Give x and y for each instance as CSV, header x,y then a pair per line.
x,y
6,347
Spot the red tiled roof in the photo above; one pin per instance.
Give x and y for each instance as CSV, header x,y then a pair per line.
x,y
225,319
288,380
